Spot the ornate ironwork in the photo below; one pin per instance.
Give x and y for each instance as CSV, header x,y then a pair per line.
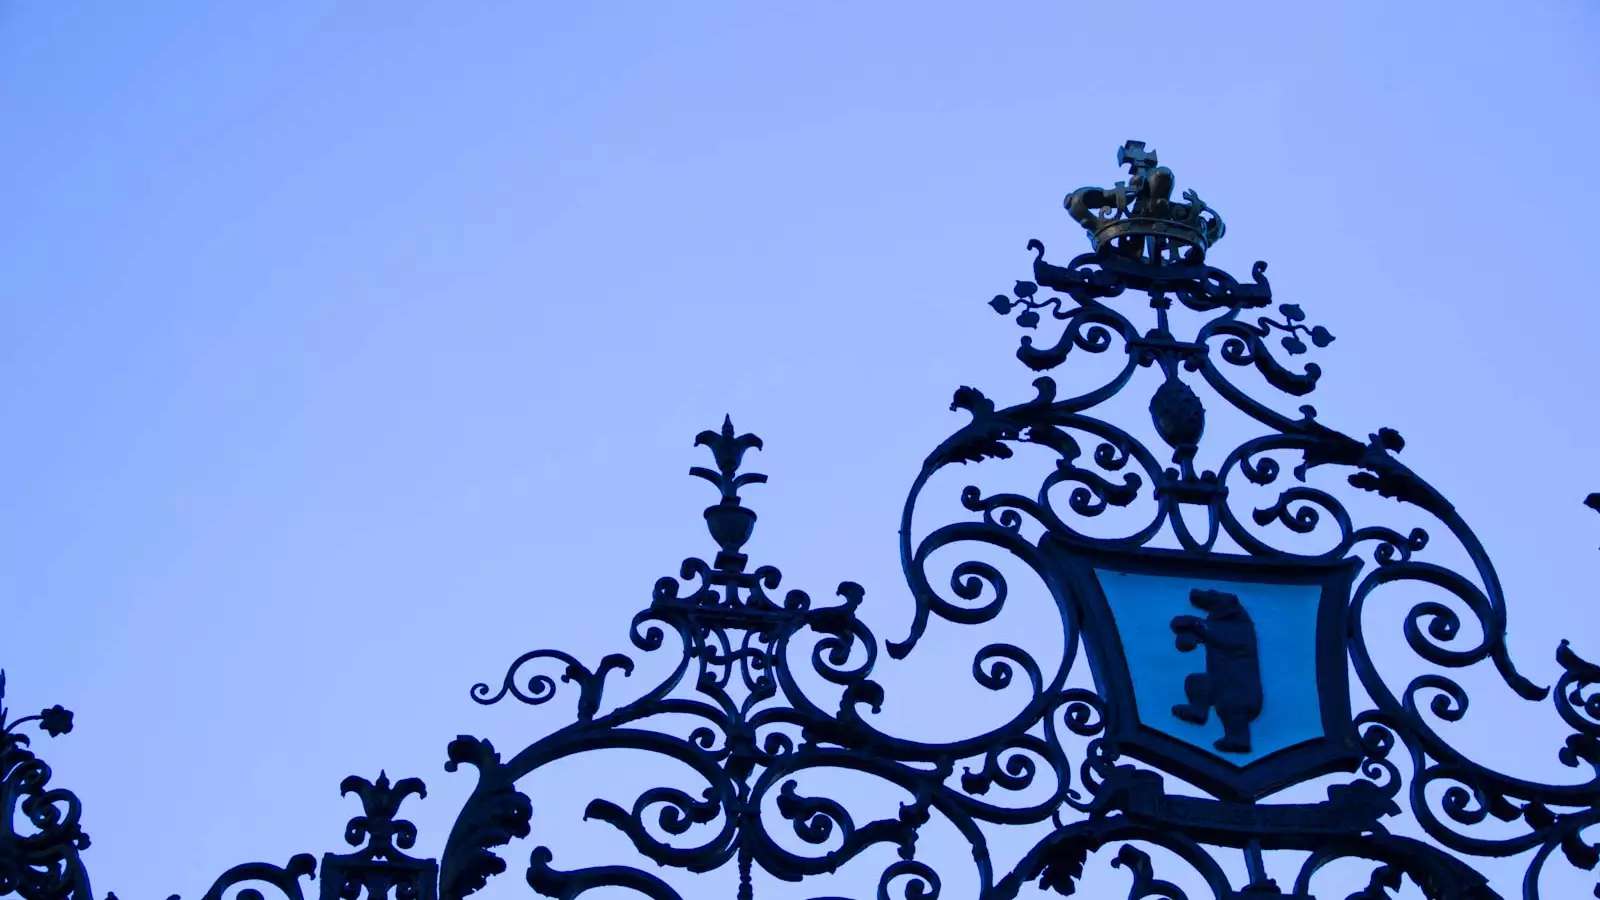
x,y
776,688
40,837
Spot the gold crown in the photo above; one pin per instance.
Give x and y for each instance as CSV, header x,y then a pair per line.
x,y
1138,219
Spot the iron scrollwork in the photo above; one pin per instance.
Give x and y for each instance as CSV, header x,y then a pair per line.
x,y
759,733
40,832
764,688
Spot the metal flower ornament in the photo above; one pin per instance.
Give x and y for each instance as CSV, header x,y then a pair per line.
x,y
39,832
1209,716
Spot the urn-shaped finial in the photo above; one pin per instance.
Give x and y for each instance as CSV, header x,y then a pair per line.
x,y
730,522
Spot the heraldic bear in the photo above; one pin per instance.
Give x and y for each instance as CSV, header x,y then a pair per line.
x,y
1231,683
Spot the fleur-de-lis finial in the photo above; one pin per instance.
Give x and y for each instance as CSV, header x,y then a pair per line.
x,y
379,868
730,592
730,522
727,450
378,826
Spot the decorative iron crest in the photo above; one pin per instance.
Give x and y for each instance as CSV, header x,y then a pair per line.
x,y
1281,691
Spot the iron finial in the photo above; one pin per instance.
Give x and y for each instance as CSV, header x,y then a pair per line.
x,y
1138,220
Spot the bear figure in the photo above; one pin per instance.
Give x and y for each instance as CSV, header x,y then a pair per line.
x,y
1231,683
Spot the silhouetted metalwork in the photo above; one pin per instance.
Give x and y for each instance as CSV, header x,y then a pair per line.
x,y
776,686
40,838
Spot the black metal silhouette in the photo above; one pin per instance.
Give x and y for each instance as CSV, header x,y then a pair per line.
x,y
1231,683
777,687
40,835
380,868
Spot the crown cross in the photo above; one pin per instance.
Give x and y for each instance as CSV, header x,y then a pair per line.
x,y
1138,160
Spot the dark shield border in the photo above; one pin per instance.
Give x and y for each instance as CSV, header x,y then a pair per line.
x,y
1337,750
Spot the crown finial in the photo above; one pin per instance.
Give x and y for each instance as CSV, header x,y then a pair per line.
x,y
1138,220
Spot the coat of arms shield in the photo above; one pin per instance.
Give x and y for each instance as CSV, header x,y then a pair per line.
x,y
1226,671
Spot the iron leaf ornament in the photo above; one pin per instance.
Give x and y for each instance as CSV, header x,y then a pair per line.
x,y
1212,595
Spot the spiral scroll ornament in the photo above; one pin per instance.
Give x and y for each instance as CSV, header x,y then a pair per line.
x,y
1151,538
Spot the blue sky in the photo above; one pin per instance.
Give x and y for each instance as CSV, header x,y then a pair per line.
x,y
347,350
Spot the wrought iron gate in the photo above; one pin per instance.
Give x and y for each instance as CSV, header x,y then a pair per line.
x,y
1225,641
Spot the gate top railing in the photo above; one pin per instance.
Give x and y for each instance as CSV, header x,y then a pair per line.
x,y
1217,591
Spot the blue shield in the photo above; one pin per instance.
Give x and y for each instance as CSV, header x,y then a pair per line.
x,y
1227,671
